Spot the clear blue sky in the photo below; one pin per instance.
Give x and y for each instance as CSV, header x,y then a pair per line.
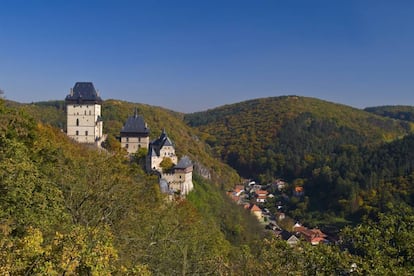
x,y
198,54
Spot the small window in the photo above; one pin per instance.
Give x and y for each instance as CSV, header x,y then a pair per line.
x,y
139,146
90,112
126,145
86,133
139,139
77,133
77,122
127,139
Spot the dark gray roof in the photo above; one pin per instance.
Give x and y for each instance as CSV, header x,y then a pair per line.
x,y
156,145
184,163
286,235
135,125
83,92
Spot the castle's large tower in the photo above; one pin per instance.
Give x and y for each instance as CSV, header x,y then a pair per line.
x,y
83,109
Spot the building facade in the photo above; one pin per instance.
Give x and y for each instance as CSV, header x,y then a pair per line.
x,y
83,111
158,150
134,134
179,179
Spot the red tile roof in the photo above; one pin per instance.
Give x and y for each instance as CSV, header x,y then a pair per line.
x,y
255,208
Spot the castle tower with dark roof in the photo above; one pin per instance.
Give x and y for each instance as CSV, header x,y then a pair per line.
x,y
83,110
158,150
135,134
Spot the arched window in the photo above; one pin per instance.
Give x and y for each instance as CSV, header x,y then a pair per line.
x,y
77,122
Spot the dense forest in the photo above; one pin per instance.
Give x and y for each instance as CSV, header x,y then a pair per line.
x,y
399,112
70,209
342,157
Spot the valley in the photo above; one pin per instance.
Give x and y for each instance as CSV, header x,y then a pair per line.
x,y
335,169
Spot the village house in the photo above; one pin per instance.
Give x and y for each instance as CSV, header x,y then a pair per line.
x,y
256,211
280,185
238,190
134,134
83,111
299,191
314,236
261,196
290,238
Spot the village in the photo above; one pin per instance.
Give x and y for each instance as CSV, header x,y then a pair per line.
x,y
85,125
259,199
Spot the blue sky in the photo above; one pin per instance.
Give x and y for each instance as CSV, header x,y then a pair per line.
x,y
194,55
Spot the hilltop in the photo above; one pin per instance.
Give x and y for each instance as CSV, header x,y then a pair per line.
x,y
399,112
334,153
273,137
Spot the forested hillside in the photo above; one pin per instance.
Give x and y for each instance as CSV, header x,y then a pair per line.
x,y
115,113
283,136
67,209
338,154
399,112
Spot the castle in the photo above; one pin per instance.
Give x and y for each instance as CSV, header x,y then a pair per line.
x,y
179,178
83,110
84,125
134,134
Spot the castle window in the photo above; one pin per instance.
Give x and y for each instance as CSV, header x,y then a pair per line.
x,y
139,139
139,146
127,139
126,146
77,133
77,122
90,112
86,133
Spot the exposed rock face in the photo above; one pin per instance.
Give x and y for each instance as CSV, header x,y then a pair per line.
x,y
202,170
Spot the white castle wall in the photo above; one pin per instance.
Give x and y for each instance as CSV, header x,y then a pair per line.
x,y
82,122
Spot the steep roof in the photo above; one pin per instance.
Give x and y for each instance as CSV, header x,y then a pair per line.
x,y
83,92
255,208
184,163
158,144
135,125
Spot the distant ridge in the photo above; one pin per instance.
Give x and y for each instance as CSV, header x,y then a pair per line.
x,y
250,134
